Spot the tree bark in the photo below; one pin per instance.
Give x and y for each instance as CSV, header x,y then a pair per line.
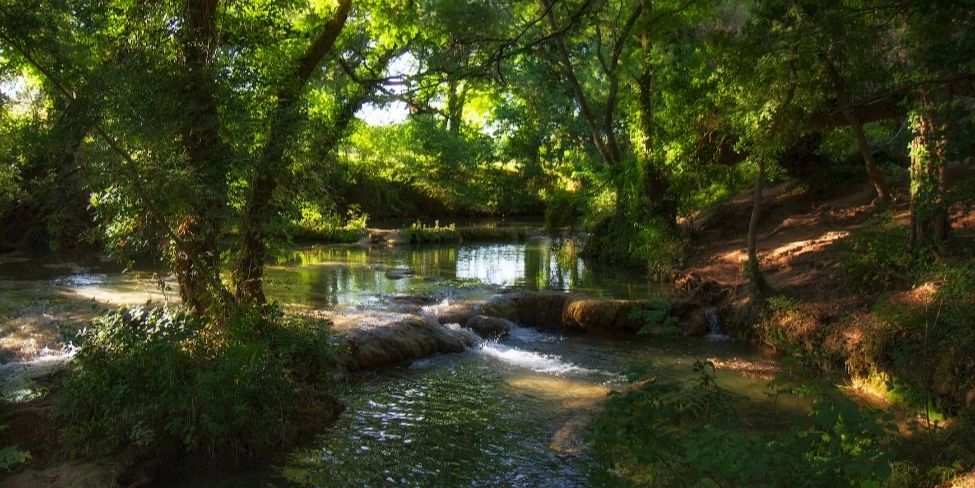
x,y
876,177
249,269
657,201
195,254
456,99
580,95
930,224
761,287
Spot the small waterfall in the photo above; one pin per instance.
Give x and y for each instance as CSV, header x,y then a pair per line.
x,y
535,361
715,331
467,336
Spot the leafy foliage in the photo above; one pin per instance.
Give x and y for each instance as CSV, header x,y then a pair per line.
x,y
151,380
878,256
10,456
669,433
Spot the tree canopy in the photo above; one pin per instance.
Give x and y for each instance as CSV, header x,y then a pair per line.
x,y
204,131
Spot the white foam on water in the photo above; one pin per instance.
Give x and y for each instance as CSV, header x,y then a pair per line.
x,y
715,332
15,378
436,307
538,362
527,334
467,336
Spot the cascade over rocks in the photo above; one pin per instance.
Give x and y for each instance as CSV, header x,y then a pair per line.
x,y
489,327
405,331
374,339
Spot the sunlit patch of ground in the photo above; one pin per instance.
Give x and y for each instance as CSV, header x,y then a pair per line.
x,y
783,254
964,481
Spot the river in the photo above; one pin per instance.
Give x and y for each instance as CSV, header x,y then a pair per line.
x,y
502,413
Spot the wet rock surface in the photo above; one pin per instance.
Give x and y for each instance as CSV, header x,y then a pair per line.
x,y
490,327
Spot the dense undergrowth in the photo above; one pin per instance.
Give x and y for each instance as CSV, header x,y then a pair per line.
x,y
157,381
694,433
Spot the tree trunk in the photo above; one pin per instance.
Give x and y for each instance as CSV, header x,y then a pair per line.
x,y
876,177
657,201
580,95
195,254
754,267
929,213
263,181
456,98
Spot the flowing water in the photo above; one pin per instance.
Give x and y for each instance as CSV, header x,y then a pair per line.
x,y
503,413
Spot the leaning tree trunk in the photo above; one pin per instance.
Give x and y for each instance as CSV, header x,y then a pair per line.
x,y
657,200
264,179
929,213
876,177
754,267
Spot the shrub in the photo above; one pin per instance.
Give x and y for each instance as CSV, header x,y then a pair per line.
x,y
10,456
313,225
158,380
562,211
690,434
420,233
878,256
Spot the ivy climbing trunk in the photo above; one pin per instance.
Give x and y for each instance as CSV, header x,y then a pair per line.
x,y
196,258
929,212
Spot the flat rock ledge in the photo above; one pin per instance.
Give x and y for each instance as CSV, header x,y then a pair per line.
x,y
405,333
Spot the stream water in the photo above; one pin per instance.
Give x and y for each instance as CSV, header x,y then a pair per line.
x,y
508,413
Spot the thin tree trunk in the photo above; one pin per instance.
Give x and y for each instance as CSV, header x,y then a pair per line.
x,y
876,177
249,269
761,287
754,266
579,93
657,201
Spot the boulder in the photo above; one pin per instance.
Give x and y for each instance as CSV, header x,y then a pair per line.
x,y
696,324
400,339
457,313
691,316
535,309
399,273
603,315
489,327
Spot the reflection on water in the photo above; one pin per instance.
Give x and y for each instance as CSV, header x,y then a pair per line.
x,y
504,413
326,276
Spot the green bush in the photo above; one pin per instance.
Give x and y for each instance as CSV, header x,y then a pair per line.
x,y
315,226
10,456
420,233
925,350
878,257
650,243
562,212
158,380
691,434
